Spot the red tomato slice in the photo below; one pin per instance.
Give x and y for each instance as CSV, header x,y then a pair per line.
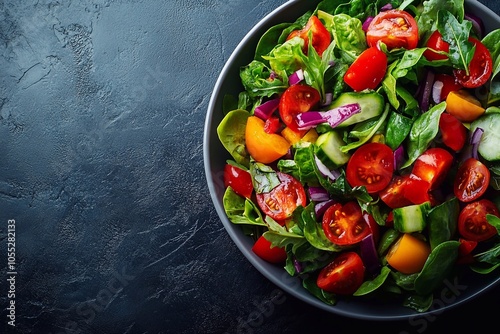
x,y
238,179
393,194
465,251
294,100
367,71
262,248
472,222
417,191
436,43
344,224
272,125
433,166
371,165
343,276
282,201
395,28
480,67
321,37
450,84
453,132
471,181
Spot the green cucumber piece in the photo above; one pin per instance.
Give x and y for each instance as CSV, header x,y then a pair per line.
x,y
371,104
329,152
411,218
489,147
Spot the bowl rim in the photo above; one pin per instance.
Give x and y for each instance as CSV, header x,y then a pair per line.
x,y
284,281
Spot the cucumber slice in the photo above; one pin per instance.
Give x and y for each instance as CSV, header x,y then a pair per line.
x,y
411,218
329,152
370,102
489,147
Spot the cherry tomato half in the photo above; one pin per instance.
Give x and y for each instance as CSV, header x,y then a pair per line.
x,y
453,132
367,71
436,43
344,275
371,165
321,37
472,180
480,67
395,28
472,222
294,100
345,224
282,201
432,166
238,179
393,194
263,249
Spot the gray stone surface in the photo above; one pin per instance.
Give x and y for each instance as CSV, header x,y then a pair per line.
x,y
102,108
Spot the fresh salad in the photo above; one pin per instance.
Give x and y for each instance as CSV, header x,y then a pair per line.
x,y
365,149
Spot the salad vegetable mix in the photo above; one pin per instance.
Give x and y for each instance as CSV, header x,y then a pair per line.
x,y
365,155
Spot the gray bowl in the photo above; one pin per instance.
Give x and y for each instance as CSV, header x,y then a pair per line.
x,y
215,157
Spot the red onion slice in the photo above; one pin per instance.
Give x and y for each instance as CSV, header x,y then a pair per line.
x,y
266,109
296,77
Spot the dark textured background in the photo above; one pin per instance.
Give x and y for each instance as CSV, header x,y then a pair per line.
x,y
102,108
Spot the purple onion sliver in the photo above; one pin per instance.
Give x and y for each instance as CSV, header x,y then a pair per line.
x,y
369,254
332,175
318,194
427,90
297,265
321,207
328,100
437,88
386,7
338,115
477,24
367,22
399,157
296,77
266,109
475,139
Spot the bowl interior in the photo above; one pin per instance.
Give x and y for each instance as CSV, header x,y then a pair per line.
x,y
215,157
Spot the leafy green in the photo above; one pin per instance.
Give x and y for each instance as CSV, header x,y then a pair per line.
x,y
456,34
231,133
257,80
347,33
424,130
240,210
428,16
491,42
264,178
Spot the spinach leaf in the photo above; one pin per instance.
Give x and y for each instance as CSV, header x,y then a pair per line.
x,y
398,128
240,210
428,16
270,39
438,266
456,34
309,283
314,233
442,222
264,178
423,131
372,285
491,42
